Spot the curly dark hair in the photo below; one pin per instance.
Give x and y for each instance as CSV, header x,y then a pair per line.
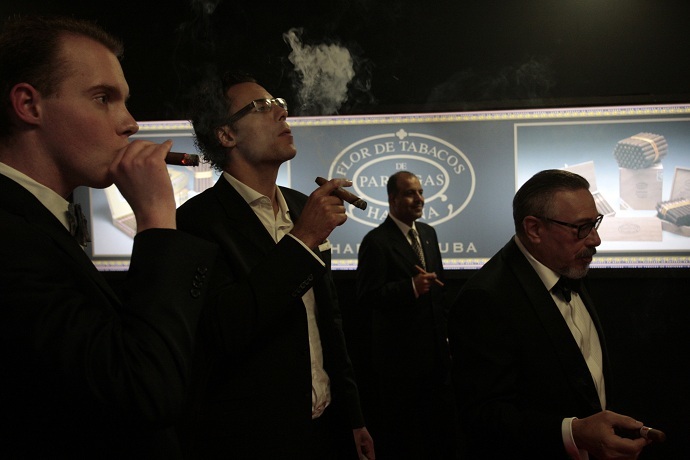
x,y
535,197
29,53
209,110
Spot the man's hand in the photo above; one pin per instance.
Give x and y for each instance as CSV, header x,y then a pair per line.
x,y
595,434
141,175
321,214
423,281
364,444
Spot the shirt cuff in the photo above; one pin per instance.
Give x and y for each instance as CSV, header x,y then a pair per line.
x,y
570,447
307,248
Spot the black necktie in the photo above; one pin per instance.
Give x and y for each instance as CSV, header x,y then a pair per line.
x,y
78,226
567,285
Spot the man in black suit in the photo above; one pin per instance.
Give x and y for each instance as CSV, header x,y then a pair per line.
x,y
402,289
86,373
273,378
530,368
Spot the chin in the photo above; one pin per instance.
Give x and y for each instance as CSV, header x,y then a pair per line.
x,y
577,272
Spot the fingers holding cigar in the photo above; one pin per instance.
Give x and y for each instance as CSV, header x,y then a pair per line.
x,y
424,272
182,159
345,195
645,432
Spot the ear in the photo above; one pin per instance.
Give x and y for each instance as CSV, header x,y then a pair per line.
x,y
26,103
532,227
226,137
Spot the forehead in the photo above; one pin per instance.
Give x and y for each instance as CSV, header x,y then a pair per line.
x,y
574,205
242,94
407,182
90,63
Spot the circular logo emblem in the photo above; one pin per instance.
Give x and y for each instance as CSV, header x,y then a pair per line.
x,y
445,173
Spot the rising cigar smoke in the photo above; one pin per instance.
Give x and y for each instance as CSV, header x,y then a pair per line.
x,y
531,80
322,74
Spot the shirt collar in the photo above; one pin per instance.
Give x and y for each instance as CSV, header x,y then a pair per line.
x,y
547,276
402,225
251,196
56,204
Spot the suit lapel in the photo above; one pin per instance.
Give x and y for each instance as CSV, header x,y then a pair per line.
x,y
553,323
20,201
399,243
240,216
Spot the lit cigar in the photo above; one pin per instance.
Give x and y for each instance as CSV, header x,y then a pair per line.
x,y
182,159
645,432
345,195
424,272
653,434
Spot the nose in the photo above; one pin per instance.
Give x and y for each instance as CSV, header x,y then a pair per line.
x,y
593,238
129,124
282,113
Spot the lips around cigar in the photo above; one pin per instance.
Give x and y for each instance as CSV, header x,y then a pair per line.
x,y
345,195
182,159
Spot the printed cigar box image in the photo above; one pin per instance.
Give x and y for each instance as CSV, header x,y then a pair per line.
x,y
675,213
640,151
641,189
630,229
586,170
681,184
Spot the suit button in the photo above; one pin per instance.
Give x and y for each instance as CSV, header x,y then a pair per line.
x,y
195,293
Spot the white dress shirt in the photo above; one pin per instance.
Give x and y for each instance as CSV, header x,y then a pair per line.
x,y
585,334
279,225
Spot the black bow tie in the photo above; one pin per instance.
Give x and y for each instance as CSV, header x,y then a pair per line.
x,y
567,285
78,226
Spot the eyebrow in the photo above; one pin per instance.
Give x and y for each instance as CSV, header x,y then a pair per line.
x,y
110,89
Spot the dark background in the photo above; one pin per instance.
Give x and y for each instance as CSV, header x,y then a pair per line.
x,y
431,56
409,56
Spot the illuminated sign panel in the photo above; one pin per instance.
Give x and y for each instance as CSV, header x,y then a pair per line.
x,y
470,164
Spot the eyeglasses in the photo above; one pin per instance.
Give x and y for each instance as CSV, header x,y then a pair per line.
x,y
259,105
583,230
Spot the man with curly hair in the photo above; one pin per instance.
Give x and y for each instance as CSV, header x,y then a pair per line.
x,y
273,377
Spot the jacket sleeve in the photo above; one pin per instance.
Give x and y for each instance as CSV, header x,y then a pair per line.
x,y
61,324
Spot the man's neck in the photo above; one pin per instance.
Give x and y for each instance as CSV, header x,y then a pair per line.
x,y
30,160
263,181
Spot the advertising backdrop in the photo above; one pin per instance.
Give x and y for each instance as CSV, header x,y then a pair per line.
x,y
470,164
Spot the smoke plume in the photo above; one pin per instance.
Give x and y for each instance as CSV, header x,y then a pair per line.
x,y
322,74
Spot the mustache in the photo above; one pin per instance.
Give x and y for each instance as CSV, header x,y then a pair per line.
x,y
587,252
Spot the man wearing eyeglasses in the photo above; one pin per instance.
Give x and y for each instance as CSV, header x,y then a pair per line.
x,y
273,379
530,368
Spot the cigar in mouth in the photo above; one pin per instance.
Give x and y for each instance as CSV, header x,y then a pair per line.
x,y
182,159
345,195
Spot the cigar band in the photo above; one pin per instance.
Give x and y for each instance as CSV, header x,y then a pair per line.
x,y
653,144
671,206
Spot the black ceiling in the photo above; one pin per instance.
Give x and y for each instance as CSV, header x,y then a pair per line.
x,y
408,56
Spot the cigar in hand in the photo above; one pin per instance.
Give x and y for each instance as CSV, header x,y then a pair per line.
x,y
182,159
345,195
424,272
644,432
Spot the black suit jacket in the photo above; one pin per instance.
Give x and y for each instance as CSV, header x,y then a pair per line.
x,y
408,333
252,384
87,373
517,370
